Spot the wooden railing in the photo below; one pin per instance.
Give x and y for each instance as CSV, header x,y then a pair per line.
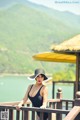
x,y
67,104
26,110
55,109
59,109
74,113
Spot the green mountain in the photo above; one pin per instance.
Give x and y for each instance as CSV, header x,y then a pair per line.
x,y
28,29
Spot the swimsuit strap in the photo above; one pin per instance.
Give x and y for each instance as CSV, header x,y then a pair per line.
x,y
30,88
40,88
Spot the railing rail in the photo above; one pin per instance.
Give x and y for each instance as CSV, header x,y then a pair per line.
x,y
74,114
67,104
26,110
71,116
13,103
55,106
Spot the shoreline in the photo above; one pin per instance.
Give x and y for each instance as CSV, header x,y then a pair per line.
x,y
22,75
16,74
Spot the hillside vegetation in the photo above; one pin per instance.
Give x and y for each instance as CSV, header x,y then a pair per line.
x,y
26,30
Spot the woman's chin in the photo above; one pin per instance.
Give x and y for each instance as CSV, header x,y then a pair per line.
x,y
39,83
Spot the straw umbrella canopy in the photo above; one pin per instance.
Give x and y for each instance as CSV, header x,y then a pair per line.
x,y
68,51
69,46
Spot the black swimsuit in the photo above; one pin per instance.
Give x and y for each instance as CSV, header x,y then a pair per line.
x,y
37,101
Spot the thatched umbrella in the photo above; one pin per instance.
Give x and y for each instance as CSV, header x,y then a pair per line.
x,y
68,51
71,47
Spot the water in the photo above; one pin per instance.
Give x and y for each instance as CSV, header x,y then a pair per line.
x,y
13,88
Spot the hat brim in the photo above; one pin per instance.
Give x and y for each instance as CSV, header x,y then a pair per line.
x,y
34,77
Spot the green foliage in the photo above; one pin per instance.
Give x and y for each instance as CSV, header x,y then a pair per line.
x,y
67,74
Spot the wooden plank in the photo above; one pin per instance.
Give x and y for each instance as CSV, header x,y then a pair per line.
x,y
73,113
10,114
49,116
17,115
41,116
26,117
33,115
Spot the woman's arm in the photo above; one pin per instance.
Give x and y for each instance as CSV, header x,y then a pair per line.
x,y
23,101
45,97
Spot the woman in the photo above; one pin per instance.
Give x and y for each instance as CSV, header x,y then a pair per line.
x,y
37,92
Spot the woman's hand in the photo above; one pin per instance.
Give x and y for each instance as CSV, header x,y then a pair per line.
x,y
43,106
18,107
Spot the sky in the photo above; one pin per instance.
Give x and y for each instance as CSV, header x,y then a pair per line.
x,y
61,5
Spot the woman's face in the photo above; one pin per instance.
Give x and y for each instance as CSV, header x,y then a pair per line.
x,y
39,79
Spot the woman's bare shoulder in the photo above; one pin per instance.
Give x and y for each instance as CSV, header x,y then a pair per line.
x,y
44,90
30,86
45,87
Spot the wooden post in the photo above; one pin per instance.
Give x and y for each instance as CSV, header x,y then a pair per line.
x,y
59,104
17,114
10,114
53,89
59,93
77,103
77,72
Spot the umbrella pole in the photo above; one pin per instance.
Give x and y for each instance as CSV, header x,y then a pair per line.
x,y
77,72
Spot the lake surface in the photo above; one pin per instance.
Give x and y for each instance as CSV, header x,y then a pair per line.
x,y
13,88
